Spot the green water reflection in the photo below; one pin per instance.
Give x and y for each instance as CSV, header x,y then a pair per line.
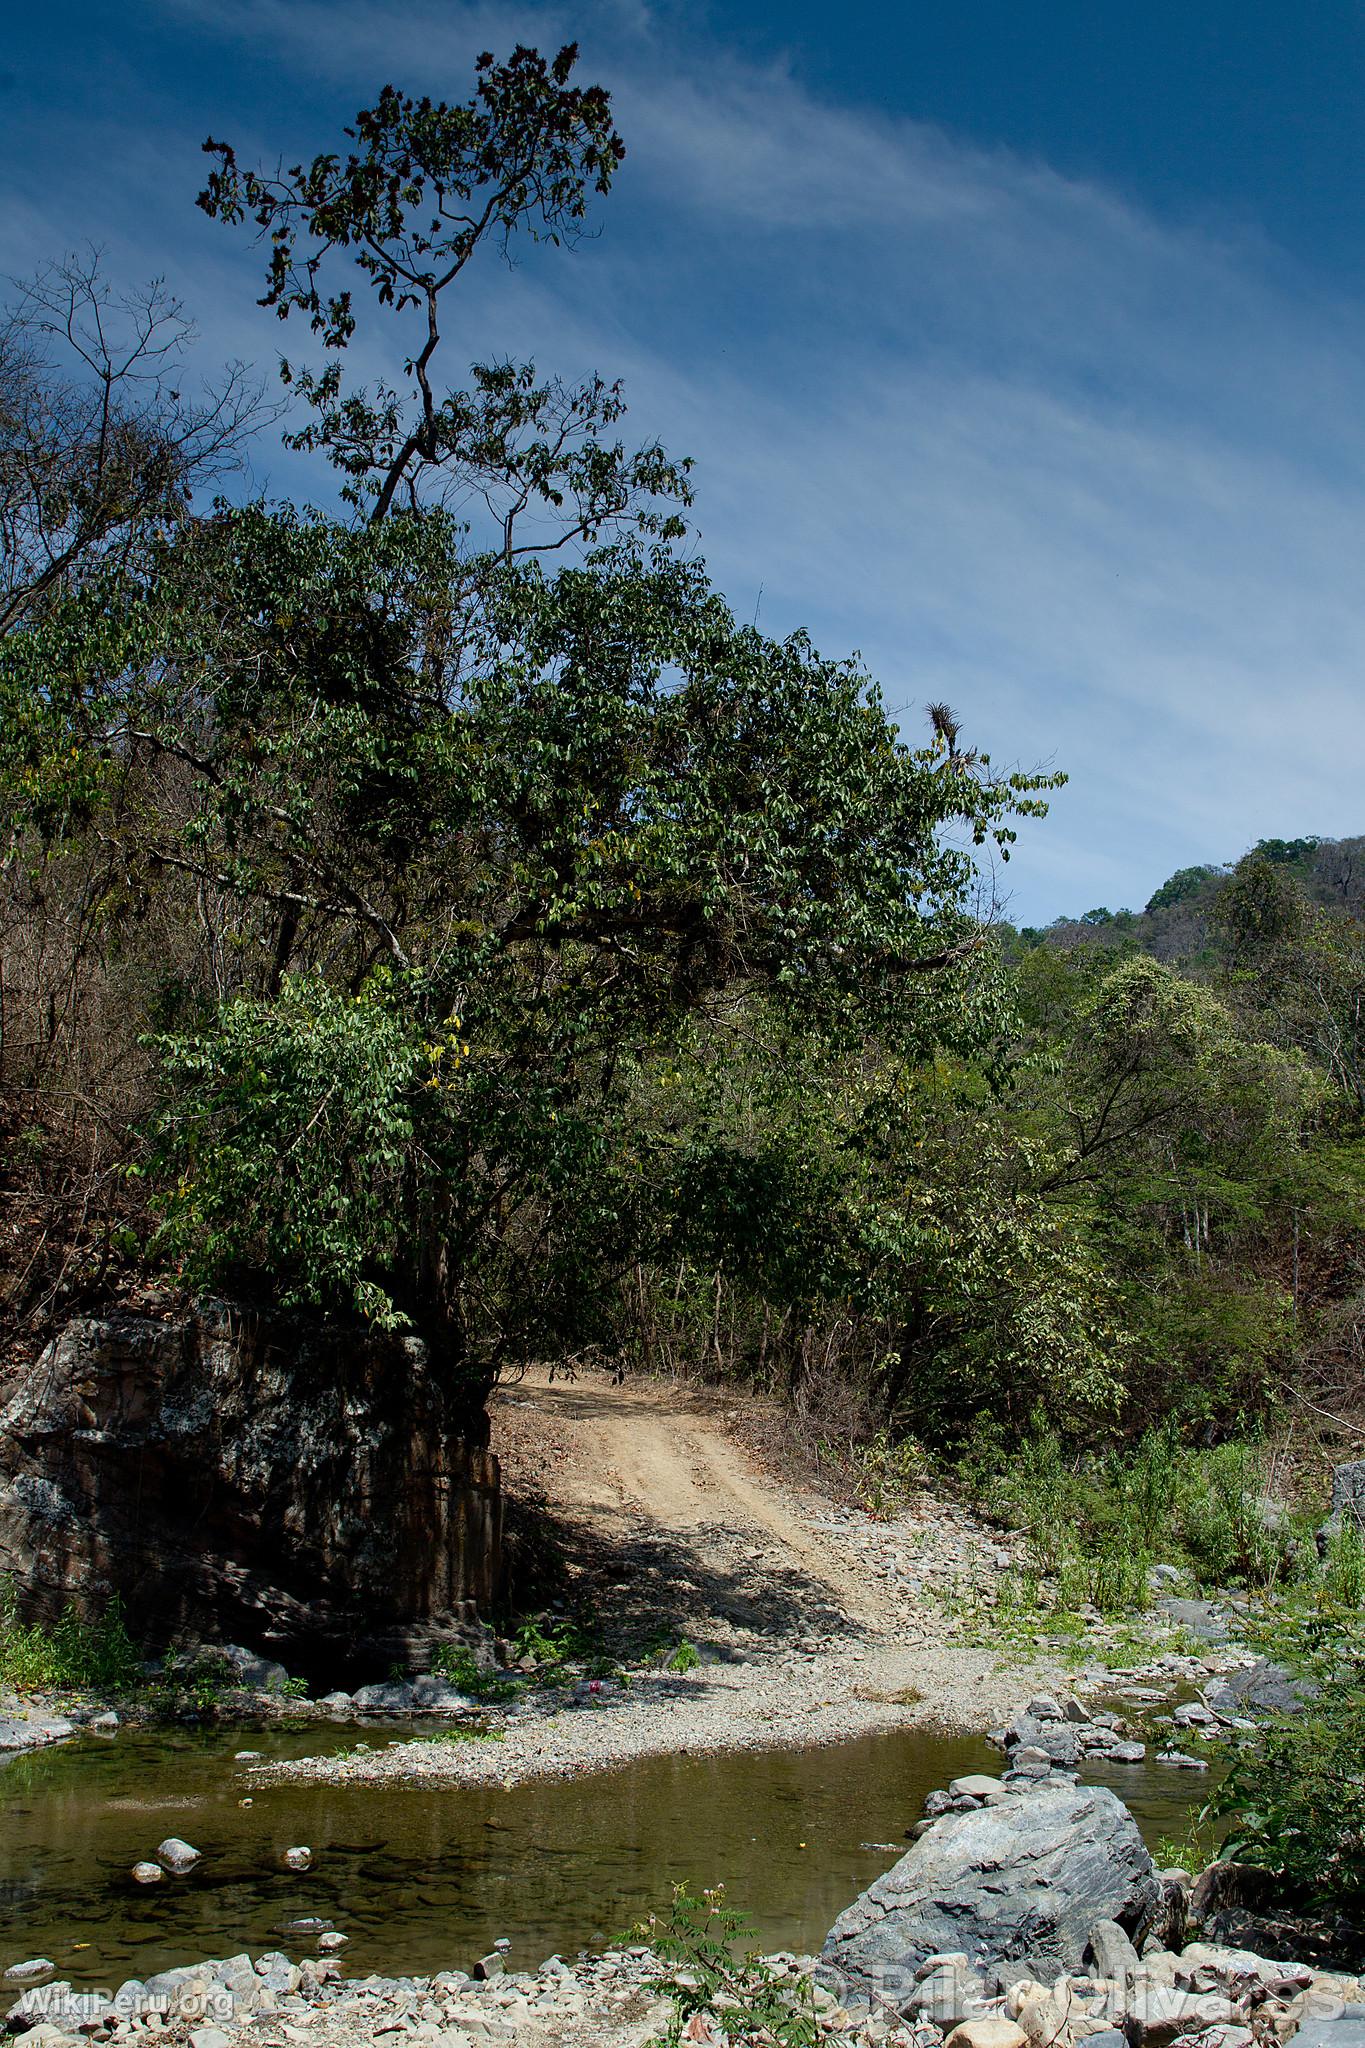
x,y
421,1879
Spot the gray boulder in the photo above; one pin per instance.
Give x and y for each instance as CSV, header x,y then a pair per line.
x,y
1348,1499
394,1697
1025,1878
1206,1619
1259,1688
1059,1740
437,1695
256,1674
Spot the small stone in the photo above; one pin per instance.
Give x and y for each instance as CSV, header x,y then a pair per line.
x,y
984,2033
489,1966
148,1873
30,1972
209,2037
1114,1954
177,1856
1127,1752
330,1942
297,1858
976,1785
105,1724
1177,1760
1044,1708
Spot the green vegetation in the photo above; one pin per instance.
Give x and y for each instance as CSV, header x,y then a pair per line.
x,y
70,1656
1297,1797
1096,1522
461,1667
442,914
718,1973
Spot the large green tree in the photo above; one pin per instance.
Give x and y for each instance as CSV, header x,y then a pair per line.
x,y
480,841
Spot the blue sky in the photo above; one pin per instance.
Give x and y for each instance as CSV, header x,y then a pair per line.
x,y
1020,346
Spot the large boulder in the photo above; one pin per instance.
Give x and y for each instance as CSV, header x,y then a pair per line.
x,y
1259,1689
306,1491
1022,1881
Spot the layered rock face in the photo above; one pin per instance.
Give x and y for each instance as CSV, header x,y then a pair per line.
x,y
311,1493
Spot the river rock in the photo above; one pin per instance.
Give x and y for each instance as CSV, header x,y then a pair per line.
x,y
976,1785
237,1481
35,1734
177,1856
148,1873
298,1858
947,1995
1206,1619
1346,2032
45,2002
255,1674
31,1972
1259,1689
395,1696
1025,1879
1156,2016
1057,1739
438,1695
1113,1952
987,2033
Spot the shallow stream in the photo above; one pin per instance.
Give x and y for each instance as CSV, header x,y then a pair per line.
x,y
424,1878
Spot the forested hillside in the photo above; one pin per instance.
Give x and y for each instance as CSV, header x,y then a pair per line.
x,y
443,914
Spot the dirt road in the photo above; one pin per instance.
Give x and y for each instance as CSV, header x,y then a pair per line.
x,y
650,1466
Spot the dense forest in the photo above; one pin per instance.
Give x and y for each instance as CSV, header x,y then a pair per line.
x,y
440,912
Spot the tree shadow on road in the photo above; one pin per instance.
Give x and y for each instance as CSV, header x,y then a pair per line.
x,y
646,1587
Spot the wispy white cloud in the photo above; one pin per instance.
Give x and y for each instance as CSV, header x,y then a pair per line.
x,y
1095,478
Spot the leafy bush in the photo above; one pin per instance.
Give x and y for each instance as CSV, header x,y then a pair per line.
x,y
1221,1521
72,1655
886,1475
740,1991
461,1667
1297,1797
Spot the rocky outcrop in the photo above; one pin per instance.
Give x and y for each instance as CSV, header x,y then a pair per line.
x,y
309,1493
1019,1881
1348,1495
